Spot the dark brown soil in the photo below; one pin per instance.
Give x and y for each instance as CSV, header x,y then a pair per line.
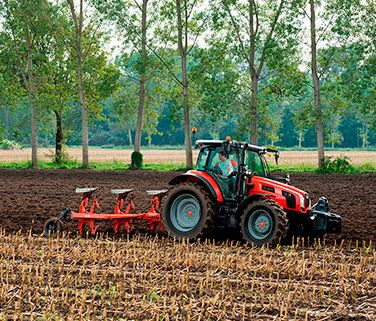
x,y
29,197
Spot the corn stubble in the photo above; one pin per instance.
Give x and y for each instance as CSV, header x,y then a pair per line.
x,y
147,278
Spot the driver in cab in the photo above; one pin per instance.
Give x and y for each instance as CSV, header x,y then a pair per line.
x,y
225,165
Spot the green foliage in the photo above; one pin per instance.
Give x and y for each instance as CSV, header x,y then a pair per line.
x,y
152,296
136,160
9,144
341,164
218,72
60,158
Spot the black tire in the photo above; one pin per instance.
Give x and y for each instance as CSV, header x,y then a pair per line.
x,y
204,218
263,222
52,227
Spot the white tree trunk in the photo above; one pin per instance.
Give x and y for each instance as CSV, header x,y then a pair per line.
x,y
316,84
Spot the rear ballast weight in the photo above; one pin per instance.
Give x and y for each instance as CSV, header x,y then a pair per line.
x,y
122,216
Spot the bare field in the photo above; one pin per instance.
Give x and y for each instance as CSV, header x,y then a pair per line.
x,y
178,156
148,278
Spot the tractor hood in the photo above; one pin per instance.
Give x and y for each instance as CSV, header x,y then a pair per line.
x,y
289,197
271,182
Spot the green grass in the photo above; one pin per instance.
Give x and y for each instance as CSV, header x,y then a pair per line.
x,y
113,165
117,165
328,149
120,147
301,168
367,167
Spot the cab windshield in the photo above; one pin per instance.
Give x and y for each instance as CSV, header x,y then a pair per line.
x,y
254,162
209,157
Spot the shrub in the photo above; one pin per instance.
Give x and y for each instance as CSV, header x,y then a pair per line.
x,y
9,144
136,160
61,158
341,164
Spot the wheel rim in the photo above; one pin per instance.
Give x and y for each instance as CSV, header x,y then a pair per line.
x,y
260,224
185,212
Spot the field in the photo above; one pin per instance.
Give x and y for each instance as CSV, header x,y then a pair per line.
x,y
29,197
288,158
158,279
150,277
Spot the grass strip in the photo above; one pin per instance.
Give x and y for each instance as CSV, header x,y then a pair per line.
x,y
118,165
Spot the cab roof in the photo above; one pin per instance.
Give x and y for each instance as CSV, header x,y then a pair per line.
x,y
259,149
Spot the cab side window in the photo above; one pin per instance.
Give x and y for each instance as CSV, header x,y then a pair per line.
x,y
203,157
254,163
214,158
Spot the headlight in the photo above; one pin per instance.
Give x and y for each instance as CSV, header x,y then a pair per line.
x,y
301,198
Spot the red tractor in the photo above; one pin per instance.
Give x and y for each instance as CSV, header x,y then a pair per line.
x,y
232,190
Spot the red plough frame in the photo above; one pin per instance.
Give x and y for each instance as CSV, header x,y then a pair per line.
x,y
122,215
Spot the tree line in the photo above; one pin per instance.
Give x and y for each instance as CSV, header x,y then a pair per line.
x,y
234,65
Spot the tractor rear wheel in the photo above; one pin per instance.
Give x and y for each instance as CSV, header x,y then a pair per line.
x,y
52,227
187,211
263,222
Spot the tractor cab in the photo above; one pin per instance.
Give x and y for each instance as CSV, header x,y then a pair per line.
x,y
254,161
239,156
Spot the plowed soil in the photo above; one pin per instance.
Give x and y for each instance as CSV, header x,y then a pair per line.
x,y
29,197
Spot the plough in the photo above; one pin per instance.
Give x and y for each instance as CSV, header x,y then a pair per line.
x,y
121,217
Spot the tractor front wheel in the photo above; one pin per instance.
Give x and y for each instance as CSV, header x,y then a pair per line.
x,y
263,222
187,211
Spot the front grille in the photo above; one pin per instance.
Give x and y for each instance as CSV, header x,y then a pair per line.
x,y
290,199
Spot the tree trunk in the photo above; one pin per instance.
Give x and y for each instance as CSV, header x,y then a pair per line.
x,y
31,87
130,136
253,75
59,137
187,129
254,121
85,134
357,138
6,123
78,22
214,133
316,84
300,137
183,56
142,81
364,136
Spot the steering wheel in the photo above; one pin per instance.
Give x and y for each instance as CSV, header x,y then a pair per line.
x,y
216,171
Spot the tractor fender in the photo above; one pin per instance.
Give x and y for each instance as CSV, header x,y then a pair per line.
x,y
203,179
250,199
